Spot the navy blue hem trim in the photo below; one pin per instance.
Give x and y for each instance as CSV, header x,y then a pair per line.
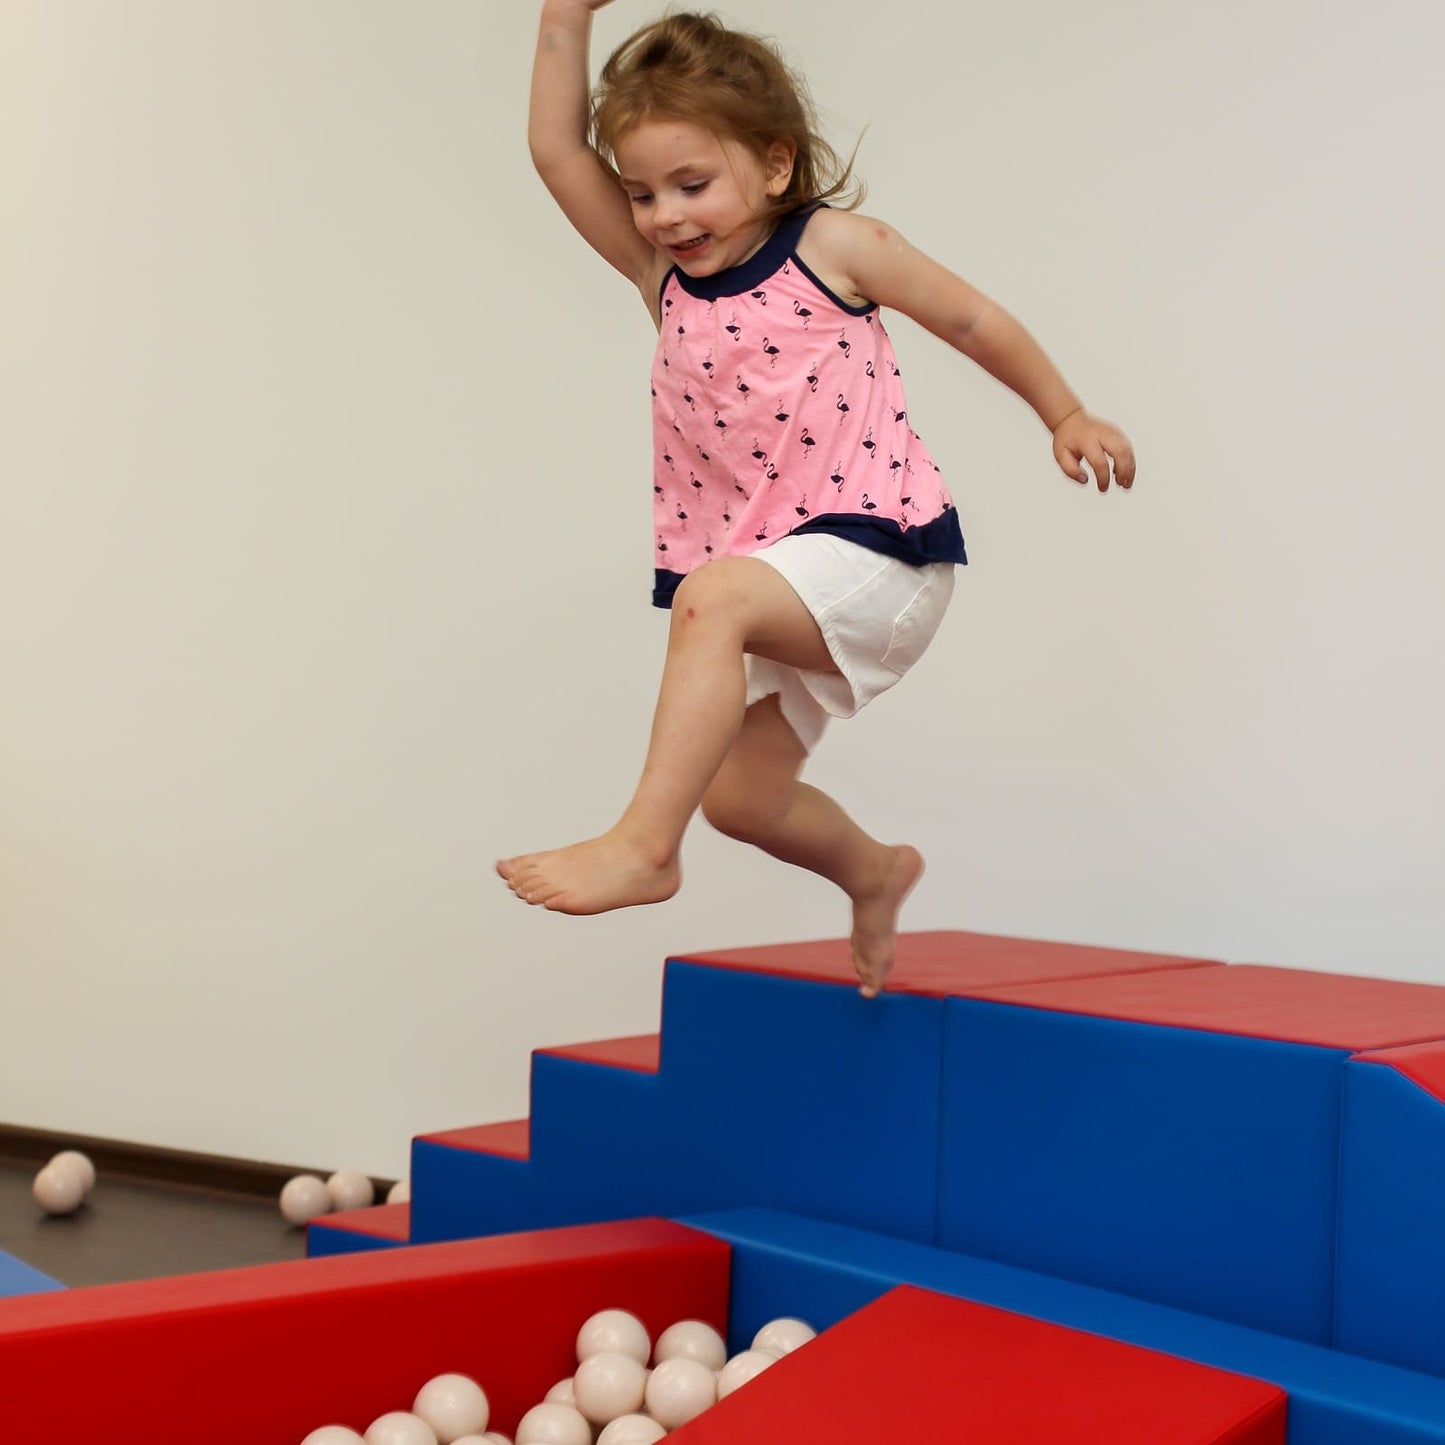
x,y
940,540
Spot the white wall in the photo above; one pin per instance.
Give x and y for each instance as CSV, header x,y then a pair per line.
x,y
289,329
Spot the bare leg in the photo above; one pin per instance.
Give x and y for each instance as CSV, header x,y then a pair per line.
x,y
731,606
756,797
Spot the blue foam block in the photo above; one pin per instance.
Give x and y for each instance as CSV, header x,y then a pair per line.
x,y
771,1090
323,1241
1391,1286
787,1265
806,1095
1190,1168
462,1194
17,1277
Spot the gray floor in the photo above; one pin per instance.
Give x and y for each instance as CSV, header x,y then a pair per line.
x,y
128,1229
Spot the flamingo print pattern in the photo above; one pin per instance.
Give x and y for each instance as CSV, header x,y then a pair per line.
x,y
832,372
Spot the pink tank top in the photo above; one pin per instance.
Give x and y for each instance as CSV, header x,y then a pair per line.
x,y
777,409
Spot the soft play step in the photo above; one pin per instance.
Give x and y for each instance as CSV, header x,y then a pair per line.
x,y
759,1097
385,1226
945,963
921,1366
641,1052
263,1356
1287,1005
510,1139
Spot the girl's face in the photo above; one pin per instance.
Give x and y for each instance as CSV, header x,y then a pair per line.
x,y
701,201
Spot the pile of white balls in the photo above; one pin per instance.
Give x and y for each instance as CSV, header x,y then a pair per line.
x,y
613,1391
308,1196
61,1187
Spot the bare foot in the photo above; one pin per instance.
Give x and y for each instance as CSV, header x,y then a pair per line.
x,y
603,873
875,918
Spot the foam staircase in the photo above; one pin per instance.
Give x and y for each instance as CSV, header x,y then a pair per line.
x,y
1237,1165
1037,1194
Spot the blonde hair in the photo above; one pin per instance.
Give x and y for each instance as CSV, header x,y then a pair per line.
x,y
692,68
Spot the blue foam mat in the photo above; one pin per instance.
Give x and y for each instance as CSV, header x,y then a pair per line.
x,y
17,1277
784,1264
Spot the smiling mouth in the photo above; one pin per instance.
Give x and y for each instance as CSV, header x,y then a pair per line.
x,y
691,245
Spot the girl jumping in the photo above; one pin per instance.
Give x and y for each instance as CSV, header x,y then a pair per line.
x,y
805,540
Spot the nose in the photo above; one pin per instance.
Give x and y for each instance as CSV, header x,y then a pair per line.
x,y
666,213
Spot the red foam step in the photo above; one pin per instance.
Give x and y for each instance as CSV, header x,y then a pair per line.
x,y
263,1356
915,1365
1422,1064
946,963
642,1052
1289,1005
511,1139
382,1221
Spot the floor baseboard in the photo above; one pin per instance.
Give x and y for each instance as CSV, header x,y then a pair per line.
x,y
149,1163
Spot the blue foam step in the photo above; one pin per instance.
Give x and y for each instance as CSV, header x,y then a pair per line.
x,y
760,1097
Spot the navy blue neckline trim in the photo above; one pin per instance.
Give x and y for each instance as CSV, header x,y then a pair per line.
x,y
752,272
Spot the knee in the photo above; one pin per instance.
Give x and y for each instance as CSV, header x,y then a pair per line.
x,y
708,596
741,809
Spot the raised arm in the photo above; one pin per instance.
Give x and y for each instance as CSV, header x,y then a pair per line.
x,y
586,190
871,261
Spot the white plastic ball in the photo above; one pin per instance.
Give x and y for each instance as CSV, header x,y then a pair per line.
x,y
453,1405
350,1190
333,1435
747,1365
59,1190
783,1336
399,1428
551,1424
679,1391
562,1393
632,1430
74,1159
608,1385
399,1193
304,1197
492,1437
691,1340
614,1330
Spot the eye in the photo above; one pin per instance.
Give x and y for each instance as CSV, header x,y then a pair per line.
x,y
693,187
641,199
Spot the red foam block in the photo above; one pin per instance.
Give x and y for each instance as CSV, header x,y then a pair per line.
x,y
916,1365
1289,1005
381,1221
641,1052
512,1138
947,963
264,1356
1422,1064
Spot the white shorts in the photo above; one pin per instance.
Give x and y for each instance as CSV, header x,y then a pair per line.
x,y
876,614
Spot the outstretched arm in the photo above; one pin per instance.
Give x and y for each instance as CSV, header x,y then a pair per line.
x,y
557,133
878,264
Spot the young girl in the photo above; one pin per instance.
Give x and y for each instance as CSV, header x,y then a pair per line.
x,y
806,543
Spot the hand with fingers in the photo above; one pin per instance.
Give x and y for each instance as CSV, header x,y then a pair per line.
x,y
1081,438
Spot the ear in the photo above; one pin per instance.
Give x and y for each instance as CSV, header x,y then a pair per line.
x,y
778,164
